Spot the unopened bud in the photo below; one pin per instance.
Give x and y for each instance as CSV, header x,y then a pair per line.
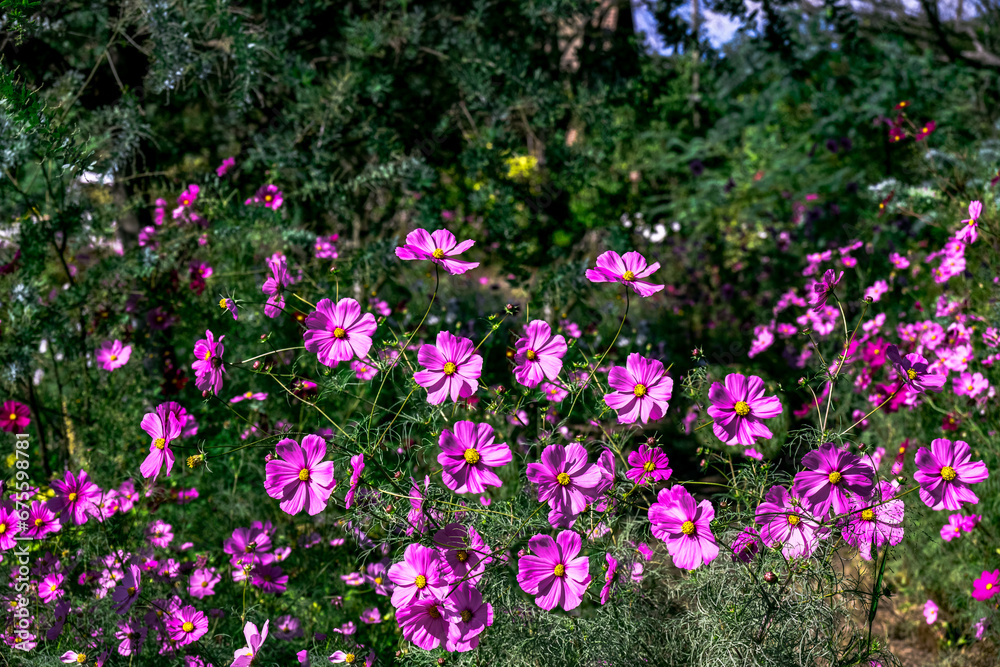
x,y
770,577
256,365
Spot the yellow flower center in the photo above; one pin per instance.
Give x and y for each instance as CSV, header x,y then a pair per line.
x,y
834,477
81,658
188,626
349,658
72,497
639,390
648,466
793,519
902,450
957,529
563,479
339,332
438,253
462,555
3,528
378,581
114,357
912,374
687,527
131,590
628,276
52,587
450,368
268,198
471,456
304,475
989,587
13,416
159,443
433,612
208,355
204,584
39,522
948,473
868,515
741,408
249,394
420,581
560,570
466,615
222,304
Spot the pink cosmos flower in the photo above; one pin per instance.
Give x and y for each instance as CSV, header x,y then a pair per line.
x,y
50,589
746,545
879,518
553,392
208,366
81,658
160,534
288,628
269,578
648,464
188,197
339,332
970,384
363,370
268,196
187,625
147,237
467,455
469,617
299,477
822,289
986,586
611,569
202,582
127,591
642,390
452,368
163,427
538,355
419,576
230,305
41,521
738,407
249,396
247,546
564,477
439,247
788,524
945,472
245,656
424,622
14,416
930,612
275,285
627,269
913,371
371,616
132,636
227,164
466,555
953,528
113,355
925,131
357,466
970,230
684,527
830,474
76,495
553,572
324,247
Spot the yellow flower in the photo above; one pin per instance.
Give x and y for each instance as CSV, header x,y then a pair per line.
x,y
521,166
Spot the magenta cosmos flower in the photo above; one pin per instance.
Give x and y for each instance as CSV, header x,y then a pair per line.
x,y
419,576
424,622
879,519
648,464
275,286
642,390
74,494
15,416
538,355
944,473
226,165
822,289
627,269
202,582
787,524
187,625
10,525
553,572
970,228
469,617
41,521
208,366
439,247
299,477
127,591
564,477
831,474
986,586
453,368
163,427
686,528
611,569
230,305
465,553
738,406
245,656
467,454
339,332
912,370
113,355
357,466
268,196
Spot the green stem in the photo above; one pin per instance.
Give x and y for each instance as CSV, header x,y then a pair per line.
x,y
601,360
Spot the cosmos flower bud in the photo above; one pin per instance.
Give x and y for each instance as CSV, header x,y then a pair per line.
x,y
770,577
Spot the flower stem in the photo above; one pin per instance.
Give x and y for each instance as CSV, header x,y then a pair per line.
x,y
599,361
